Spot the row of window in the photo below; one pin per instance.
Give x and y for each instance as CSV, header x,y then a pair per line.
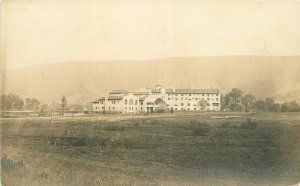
x,y
131,108
114,102
193,94
189,104
217,99
131,102
191,109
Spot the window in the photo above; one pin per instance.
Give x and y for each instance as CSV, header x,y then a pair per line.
x,y
217,99
196,98
125,101
135,102
189,94
202,94
207,99
181,94
188,104
125,108
131,102
168,98
141,102
182,104
215,104
188,109
181,98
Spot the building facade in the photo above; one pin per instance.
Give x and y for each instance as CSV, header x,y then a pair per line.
x,y
158,99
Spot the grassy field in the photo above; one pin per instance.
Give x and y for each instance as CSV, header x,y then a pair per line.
x,y
166,149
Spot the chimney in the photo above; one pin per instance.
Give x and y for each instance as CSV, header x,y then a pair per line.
x,y
106,94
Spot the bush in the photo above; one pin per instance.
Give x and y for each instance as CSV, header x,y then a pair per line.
x,y
225,125
200,131
160,111
114,128
172,110
154,122
199,128
249,125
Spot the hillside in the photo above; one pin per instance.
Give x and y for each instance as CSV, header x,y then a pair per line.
x,y
83,81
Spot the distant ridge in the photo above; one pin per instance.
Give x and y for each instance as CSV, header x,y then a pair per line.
x,y
83,81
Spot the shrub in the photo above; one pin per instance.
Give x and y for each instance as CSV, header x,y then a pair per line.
x,y
200,131
161,111
225,125
199,128
249,125
172,110
154,122
114,128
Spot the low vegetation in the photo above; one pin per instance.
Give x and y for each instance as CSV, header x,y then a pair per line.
x,y
178,150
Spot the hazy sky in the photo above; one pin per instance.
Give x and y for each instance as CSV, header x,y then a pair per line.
x,y
50,31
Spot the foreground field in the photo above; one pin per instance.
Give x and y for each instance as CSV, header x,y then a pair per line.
x,y
177,149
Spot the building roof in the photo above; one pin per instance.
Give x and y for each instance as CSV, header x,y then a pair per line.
x,y
140,93
142,98
192,91
155,90
118,92
115,97
97,101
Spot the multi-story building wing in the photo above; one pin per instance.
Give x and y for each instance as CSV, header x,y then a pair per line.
x,y
194,99
158,98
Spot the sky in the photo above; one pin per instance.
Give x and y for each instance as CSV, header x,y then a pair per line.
x,y
51,31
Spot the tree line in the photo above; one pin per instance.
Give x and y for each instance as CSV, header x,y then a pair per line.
x,y
14,102
236,101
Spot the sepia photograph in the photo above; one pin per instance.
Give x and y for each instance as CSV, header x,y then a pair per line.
x,y
150,93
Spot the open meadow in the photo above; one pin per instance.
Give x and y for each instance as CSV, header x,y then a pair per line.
x,y
161,149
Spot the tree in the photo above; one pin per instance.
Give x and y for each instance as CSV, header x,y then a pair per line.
x,y
284,107
63,104
203,104
11,101
233,99
260,106
277,107
32,103
270,105
293,106
44,107
223,104
172,110
248,101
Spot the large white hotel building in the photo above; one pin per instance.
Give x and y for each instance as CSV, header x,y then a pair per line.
x,y
158,98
